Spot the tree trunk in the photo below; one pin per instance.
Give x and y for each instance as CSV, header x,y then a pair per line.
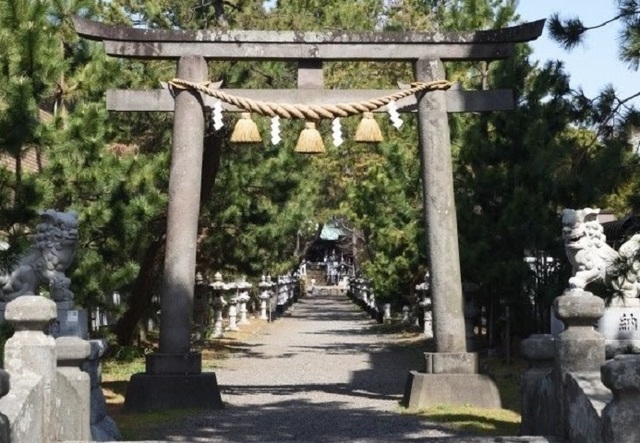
x,y
151,266
142,291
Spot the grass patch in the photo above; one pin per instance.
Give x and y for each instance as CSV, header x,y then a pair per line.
x,y
128,360
114,370
476,421
148,425
481,421
507,378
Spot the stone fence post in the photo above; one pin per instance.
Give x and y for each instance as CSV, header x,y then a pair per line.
x,y
539,410
30,358
5,426
73,410
103,428
579,348
579,353
620,416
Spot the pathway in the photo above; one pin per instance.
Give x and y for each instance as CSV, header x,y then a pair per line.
x,y
319,374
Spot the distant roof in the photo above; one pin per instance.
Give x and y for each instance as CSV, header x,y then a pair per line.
x,y
619,231
332,231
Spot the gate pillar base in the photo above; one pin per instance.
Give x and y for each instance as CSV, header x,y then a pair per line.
x,y
173,381
451,379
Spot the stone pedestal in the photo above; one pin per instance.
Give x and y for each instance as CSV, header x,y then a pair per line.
x,y
70,322
579,348
450,378
620,327
173,381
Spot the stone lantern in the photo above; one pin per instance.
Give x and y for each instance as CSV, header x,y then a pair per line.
x,y
425,303
405,315
386,317
281,295
364,293
264,297
201,314
295,286
217,288
232,289
288,282
243,298
373,307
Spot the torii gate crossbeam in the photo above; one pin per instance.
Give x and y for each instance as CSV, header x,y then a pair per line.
x,y
450,370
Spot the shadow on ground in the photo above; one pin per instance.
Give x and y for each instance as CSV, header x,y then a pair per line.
x,y
281,421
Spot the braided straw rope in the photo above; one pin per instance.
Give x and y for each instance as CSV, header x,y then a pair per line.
x,y
309,112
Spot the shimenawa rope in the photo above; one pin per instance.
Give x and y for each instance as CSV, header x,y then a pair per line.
x,y
309,112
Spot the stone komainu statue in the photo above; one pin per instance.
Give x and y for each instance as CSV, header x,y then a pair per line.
x,y
51,255
593,260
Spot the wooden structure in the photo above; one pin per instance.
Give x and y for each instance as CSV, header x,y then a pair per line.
x,y
192,50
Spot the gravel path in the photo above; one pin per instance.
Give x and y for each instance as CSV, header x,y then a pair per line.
x,y
319,374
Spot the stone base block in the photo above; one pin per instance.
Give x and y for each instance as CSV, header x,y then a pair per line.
x,y
426,390
161,363
451,363
159,392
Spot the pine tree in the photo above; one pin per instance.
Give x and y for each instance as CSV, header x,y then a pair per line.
x,y
30,63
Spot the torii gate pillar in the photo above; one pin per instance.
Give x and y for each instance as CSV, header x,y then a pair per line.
x,y
451,374
174,377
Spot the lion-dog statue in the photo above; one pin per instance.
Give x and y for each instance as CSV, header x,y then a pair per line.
x,y
51,255
593,260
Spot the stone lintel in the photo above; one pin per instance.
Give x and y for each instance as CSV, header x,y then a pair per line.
x,y
161,100
159,392
161,363
99,31
427,390
382,52
451,362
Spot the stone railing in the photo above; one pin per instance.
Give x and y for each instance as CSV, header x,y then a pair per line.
x,y
569,390
48,399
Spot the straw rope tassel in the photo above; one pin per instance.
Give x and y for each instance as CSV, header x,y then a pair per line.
x,y
368,130
246,130
310,140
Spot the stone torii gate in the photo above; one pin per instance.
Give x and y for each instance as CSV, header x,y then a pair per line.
x,y
173,376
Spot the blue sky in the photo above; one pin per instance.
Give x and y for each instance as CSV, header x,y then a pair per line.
x,y
593,64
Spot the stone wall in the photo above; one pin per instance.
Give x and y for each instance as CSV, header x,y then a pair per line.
x,y
569,391
48,399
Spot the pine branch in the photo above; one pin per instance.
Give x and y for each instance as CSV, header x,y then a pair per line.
x,y
570,32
